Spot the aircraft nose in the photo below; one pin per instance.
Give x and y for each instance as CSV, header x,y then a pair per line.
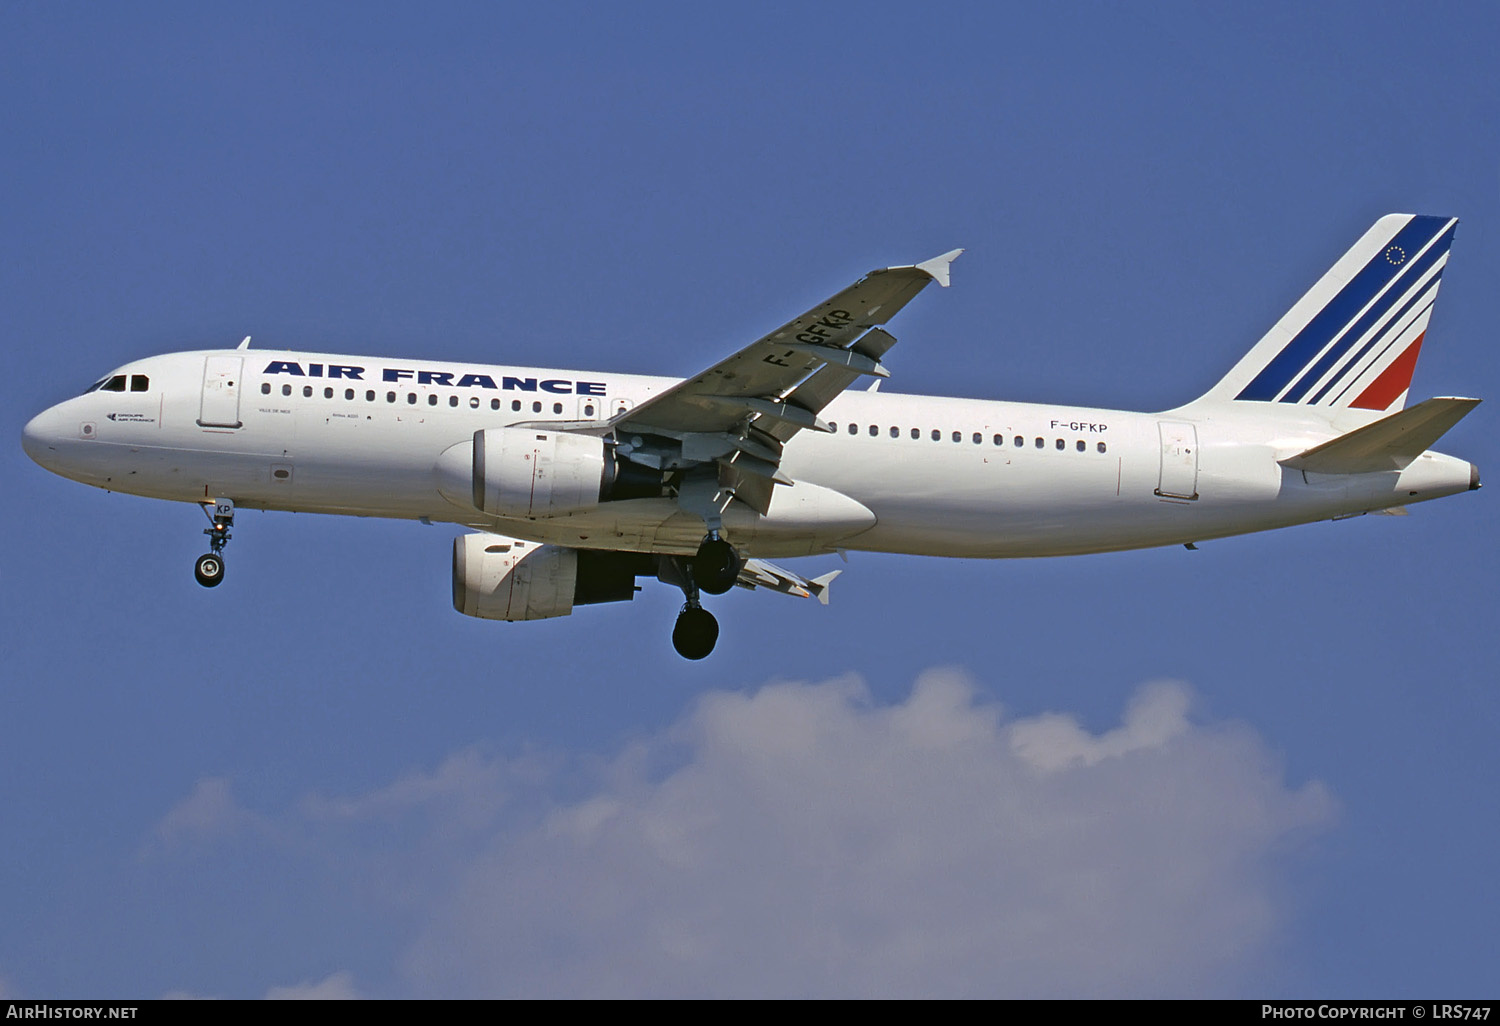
x,y
40,438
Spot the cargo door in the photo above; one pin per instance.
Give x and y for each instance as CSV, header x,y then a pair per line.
x,y
221,392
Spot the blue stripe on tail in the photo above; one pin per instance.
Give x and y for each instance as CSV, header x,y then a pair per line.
x,y
1411,272
1353,297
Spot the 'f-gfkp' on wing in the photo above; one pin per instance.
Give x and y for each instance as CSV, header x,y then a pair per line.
x,y
734,417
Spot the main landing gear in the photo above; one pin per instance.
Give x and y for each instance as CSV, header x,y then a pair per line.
x,y
210,566
716,566
714,570
696,631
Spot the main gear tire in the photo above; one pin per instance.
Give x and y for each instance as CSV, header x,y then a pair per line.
x,y
716,566
696,633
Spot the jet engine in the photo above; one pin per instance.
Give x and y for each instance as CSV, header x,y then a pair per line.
x,y
536,472
500,578
528,473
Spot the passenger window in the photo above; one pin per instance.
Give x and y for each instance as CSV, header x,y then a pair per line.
x,y
494,404
139,383
327,393
432,400
937,436
557,407
1083,446
474,403
411,398
114,384
390,397
1101,447
286,389
999,439
916,432
536,407
307,391
833,424
895,432
958,436
874,430
1061,445
348,393
1041,443
515,405
1019,441
453,400
854,429
265,388
369,395
978,438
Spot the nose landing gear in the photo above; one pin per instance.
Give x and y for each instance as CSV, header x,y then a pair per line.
x,y
209,570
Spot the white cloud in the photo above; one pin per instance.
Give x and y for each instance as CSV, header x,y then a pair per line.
x,y
337,987
805,840
468,789
208,813
815,844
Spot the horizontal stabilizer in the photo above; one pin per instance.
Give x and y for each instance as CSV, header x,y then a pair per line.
x,y
1388,444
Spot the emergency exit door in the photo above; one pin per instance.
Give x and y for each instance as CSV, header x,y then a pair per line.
x,y
221,392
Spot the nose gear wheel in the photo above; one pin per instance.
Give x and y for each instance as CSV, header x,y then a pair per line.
x,y
209,569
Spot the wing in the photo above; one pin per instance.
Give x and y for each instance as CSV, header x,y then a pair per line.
x,y
757,573
737,414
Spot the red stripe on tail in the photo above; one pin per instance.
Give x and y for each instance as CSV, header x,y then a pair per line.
x,y
1394,380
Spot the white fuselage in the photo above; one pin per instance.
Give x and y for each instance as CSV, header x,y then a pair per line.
x,y
900,473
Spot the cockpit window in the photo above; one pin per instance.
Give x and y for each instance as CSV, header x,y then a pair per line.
x,y
119,383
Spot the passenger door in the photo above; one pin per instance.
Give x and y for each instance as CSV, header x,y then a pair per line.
x,y
221,392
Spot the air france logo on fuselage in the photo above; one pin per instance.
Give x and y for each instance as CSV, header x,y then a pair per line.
x,y
445,379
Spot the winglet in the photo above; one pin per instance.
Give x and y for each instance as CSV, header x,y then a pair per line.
x,y
819,585
937,267
245,344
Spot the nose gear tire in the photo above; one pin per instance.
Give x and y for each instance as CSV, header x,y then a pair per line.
x,y
209,570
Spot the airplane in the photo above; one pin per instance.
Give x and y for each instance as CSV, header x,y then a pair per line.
x,y
575,484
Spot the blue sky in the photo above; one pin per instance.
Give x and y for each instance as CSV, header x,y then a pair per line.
x,y
1262,768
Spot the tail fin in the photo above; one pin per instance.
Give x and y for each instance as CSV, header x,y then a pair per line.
x,y
1352,341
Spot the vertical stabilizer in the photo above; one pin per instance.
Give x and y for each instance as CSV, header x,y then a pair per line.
x,y
1351,343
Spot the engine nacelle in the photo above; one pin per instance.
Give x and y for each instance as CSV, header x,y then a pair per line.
x,y
500,578
536,472
520,472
